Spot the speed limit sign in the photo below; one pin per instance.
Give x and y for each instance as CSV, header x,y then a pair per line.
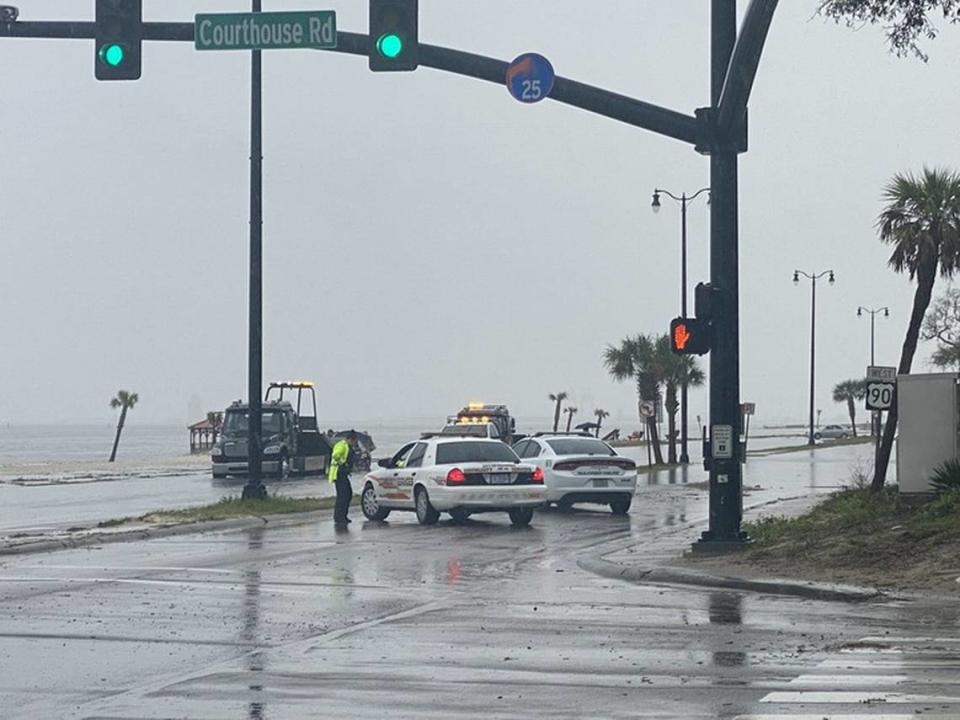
x,y
879,395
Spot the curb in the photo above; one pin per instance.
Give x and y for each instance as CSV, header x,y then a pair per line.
x,y
678,576
78,540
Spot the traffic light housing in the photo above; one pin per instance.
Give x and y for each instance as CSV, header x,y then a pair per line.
x,y
393,40
119,36
690,336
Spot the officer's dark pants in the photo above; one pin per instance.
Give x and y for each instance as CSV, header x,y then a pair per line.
x,y
344,495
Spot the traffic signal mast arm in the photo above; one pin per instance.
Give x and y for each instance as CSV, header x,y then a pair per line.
x,y
570,92
743,65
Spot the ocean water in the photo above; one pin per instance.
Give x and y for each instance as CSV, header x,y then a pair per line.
x,y
25,444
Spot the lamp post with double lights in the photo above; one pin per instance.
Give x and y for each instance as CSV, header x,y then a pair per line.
x,y
683,199
813,277
875,416
873,313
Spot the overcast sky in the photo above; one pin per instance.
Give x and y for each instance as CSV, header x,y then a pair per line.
x,y
428,240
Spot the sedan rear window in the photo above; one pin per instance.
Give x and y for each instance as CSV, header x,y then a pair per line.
x,y
579,446
463,452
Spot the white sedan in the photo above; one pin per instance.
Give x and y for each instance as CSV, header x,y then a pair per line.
x,y
579,468
456,475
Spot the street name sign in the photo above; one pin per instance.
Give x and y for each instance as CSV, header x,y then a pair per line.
x,y
881,383
265,30
530,78
721,441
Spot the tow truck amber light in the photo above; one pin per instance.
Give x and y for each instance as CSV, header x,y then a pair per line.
x,y
537,476
456,477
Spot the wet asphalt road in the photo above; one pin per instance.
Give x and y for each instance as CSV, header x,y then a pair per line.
x,y
57,506
484,620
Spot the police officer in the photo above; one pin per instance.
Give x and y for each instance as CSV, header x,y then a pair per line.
x,y
340,463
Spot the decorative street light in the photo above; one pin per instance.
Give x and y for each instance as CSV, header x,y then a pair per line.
x,y
886,313
875,416
655,205
813,277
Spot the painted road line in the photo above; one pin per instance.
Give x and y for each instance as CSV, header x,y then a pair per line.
x,y
869,681
831,697
833,716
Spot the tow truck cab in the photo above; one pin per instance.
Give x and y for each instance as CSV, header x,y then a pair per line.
x,y
290,440
483,420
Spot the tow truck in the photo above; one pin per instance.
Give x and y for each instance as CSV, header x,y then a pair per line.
x,y
291,441
483,420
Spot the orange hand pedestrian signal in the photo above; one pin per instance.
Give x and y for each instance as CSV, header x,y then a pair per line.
x,y
689,336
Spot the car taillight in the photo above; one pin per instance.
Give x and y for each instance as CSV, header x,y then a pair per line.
x,y
537,476
566,466
456,477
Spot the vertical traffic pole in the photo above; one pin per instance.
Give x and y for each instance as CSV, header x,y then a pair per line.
x,y
726,505
254,487
876,414
813,341
684,454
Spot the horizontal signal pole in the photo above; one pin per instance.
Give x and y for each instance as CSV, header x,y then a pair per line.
x,y
654,118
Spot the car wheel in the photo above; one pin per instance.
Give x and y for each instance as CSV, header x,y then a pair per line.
x,y
621,506
817,436
370,506
564,505
520,517
427,514
459,515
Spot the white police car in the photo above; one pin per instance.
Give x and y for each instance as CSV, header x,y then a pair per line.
x,y
580,468
457,475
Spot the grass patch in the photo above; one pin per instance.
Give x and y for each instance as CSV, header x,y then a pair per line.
x,y
228,508
867,538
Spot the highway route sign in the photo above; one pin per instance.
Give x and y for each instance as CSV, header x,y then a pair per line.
x,y
721,441
882,372
265,30
880,394
881,386
530,78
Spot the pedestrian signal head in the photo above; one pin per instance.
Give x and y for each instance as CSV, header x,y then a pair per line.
x,y
689,336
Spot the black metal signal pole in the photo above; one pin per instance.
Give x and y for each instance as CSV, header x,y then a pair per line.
x,y
726,505
254,487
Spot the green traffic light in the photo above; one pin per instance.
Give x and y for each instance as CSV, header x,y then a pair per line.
x,y
390,45
112,54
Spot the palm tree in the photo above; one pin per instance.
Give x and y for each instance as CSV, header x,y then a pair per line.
x,y
922,222
570,411
848,391
557,398
676,370
601,414
124,400
635,359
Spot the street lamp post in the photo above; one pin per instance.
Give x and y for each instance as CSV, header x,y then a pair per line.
x,y
813,277
886,313
875,415
683,200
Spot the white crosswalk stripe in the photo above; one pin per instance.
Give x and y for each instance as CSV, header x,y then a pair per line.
x,y
876,678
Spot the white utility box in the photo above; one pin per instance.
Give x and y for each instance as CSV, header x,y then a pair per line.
x,y
928,424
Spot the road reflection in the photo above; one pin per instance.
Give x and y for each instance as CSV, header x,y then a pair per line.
x,y
726,609
250,615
